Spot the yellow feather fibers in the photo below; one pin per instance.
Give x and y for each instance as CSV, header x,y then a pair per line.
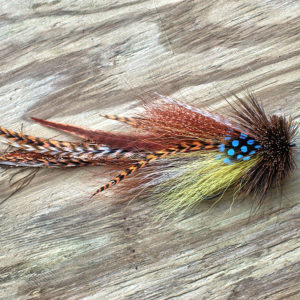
x,y
201,178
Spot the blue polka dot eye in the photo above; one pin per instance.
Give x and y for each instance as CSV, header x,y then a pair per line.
x,y
235,143
230,152
237,148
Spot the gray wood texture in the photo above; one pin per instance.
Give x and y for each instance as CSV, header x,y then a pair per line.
x,y
68,61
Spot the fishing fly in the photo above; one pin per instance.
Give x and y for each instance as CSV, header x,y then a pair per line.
x,y
195,154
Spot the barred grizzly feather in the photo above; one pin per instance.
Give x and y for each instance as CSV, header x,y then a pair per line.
x,y
198,154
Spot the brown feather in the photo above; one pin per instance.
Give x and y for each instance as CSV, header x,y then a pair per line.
x,y
276,136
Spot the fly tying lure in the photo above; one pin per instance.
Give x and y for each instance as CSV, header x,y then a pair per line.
x,y
195,154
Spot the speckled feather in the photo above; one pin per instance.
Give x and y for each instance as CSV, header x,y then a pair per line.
x,y
198,154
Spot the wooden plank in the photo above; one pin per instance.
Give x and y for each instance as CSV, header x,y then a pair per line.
x,y
68,61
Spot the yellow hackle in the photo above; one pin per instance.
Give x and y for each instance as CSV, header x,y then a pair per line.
x,y
201,178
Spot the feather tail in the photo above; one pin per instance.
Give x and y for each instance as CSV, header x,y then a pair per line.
x,y
183,147
37,144
83,151
28,159
130,142
87,134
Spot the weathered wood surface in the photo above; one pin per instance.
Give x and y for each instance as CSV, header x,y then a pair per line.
x,y
69,60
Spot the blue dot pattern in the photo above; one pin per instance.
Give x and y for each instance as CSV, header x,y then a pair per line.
x,y
244,149
240,148
235,143
246,158
230,152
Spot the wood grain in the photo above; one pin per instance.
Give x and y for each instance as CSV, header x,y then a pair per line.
x,y
68,61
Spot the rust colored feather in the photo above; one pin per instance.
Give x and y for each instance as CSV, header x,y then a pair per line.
x,y
124,141
169,118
